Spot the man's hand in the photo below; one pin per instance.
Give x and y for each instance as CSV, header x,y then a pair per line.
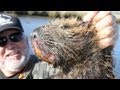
x,y
106,25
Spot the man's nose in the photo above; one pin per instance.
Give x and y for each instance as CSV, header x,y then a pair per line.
x,y
10,45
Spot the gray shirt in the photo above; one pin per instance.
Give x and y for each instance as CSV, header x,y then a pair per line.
x,y
35,69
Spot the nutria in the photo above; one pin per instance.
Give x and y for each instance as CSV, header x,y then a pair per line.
x,y
70,44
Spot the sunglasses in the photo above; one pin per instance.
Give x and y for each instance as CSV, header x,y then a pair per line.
x,y
14,37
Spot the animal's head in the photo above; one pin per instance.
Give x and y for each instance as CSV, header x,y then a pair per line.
x,y
64,42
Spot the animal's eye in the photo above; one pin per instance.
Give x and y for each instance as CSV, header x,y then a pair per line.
x,y
64,27
34,35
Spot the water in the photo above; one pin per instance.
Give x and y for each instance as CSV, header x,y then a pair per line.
x,y
117,56
30,23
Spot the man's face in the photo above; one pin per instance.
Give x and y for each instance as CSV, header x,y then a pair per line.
x,y
13,54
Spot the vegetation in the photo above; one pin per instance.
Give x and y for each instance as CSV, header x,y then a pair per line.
x,y
54,14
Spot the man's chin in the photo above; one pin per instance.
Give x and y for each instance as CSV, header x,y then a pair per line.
x,y
14,65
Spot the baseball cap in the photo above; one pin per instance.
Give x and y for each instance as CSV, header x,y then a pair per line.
x,y
8,22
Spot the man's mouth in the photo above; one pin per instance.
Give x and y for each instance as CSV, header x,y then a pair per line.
x,y
16,53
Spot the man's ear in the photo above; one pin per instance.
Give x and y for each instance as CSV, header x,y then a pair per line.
x,y
26,40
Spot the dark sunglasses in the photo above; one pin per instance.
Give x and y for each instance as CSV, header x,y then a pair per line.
x,y
14,37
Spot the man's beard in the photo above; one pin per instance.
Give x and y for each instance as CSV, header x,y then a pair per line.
x,y
16,65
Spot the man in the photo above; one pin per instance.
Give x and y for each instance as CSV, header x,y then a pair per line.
x,y
13,46
17,63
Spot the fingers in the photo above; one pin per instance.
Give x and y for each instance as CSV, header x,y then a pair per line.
x,y
107,21
100,16
90,16
108,36
106,26
107,32
103,43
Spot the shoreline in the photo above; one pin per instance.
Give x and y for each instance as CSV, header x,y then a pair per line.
x,y
54,14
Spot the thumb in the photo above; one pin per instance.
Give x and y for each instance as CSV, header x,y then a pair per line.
x,y
90,15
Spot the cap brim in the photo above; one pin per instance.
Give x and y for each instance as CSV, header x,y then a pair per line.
x,y
11,27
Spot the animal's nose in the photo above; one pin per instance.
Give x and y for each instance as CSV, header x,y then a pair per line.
x,y
33,35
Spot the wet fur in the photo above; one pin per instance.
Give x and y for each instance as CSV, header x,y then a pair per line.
x,y
73,42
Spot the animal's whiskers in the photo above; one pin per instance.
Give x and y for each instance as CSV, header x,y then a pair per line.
x,y
73,43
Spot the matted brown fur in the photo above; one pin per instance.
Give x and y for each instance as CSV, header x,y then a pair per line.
x,y
72,44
